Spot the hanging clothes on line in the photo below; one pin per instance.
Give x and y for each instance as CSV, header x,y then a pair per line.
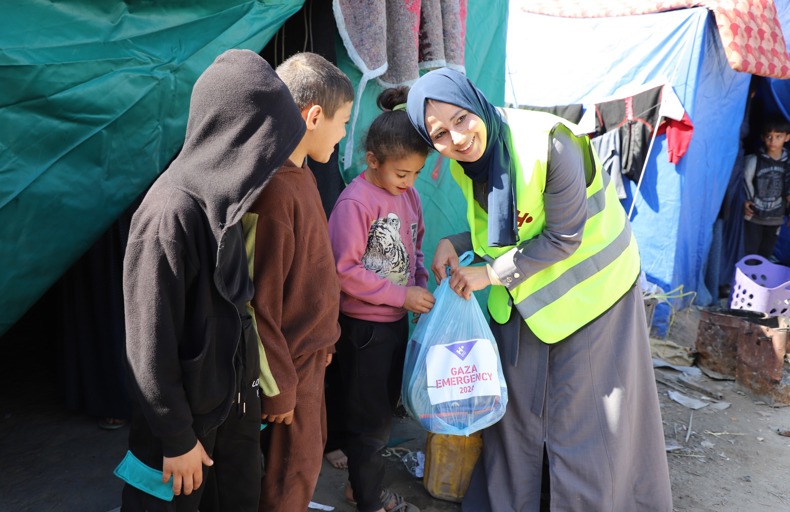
x,y
608,148
623,129
639,118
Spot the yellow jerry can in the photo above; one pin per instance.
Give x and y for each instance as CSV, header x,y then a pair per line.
x,y
448,464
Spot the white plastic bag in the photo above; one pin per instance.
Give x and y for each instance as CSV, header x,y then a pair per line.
x,y
452,378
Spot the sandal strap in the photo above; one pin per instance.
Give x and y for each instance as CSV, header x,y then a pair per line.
x,y
388,496
400,505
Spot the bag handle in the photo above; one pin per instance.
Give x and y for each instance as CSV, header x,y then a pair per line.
x,y
466,258
463,260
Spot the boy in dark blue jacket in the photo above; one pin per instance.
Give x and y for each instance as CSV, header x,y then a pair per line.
x,y
767,179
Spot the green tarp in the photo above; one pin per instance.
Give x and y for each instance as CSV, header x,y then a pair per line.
x,y
93,105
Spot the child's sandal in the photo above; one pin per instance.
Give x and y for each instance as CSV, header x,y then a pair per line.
x,y
394,502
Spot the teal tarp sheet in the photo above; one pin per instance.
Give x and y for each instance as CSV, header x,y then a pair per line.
x,y
444,207
93,101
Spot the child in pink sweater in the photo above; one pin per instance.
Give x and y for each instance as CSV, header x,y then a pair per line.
x,y
376,229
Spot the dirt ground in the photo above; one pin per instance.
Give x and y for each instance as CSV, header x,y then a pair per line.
x,y
733,460
721,459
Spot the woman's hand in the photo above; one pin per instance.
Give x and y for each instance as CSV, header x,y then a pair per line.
x,y
445,255
465,280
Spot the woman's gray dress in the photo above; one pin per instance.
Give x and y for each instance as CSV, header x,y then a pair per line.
x,y
590,400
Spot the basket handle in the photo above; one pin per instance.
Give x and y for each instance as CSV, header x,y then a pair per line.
x,y
752,261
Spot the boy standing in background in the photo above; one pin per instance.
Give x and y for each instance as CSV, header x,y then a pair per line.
x,y
297,293
767,179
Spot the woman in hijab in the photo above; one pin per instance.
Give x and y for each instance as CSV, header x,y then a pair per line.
x,y
583,428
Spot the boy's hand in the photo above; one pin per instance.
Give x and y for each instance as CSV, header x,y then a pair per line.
x,y
286,418
748,208
418,299
445,255
186,469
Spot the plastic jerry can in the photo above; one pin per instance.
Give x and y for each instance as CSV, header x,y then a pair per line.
x,y
448,464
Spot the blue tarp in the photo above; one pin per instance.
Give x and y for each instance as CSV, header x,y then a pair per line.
x,y
592,60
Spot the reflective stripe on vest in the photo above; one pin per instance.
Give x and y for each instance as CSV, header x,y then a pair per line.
x,y
564,297
584,270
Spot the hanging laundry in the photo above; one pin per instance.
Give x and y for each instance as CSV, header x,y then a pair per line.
x,y
678,136
635,118
639,118
393,40
608,148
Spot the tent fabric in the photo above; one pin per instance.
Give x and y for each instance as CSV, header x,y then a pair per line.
x,y
393,40
749,29
94,102
677,204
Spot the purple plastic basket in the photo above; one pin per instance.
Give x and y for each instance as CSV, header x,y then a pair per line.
x,y
760,285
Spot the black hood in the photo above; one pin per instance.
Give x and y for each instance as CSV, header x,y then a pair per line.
x,y
243,125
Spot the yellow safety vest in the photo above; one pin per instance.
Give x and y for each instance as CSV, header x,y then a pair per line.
x,y
569,294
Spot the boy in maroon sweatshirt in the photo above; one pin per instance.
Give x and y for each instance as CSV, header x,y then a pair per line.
x,y
297,293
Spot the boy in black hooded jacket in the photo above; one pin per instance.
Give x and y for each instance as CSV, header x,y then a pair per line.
x,y
190,342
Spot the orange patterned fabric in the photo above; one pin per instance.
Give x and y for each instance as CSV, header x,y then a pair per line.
x,y
752,37
749,29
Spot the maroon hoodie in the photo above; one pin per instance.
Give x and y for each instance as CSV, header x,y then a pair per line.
x,y
297,292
